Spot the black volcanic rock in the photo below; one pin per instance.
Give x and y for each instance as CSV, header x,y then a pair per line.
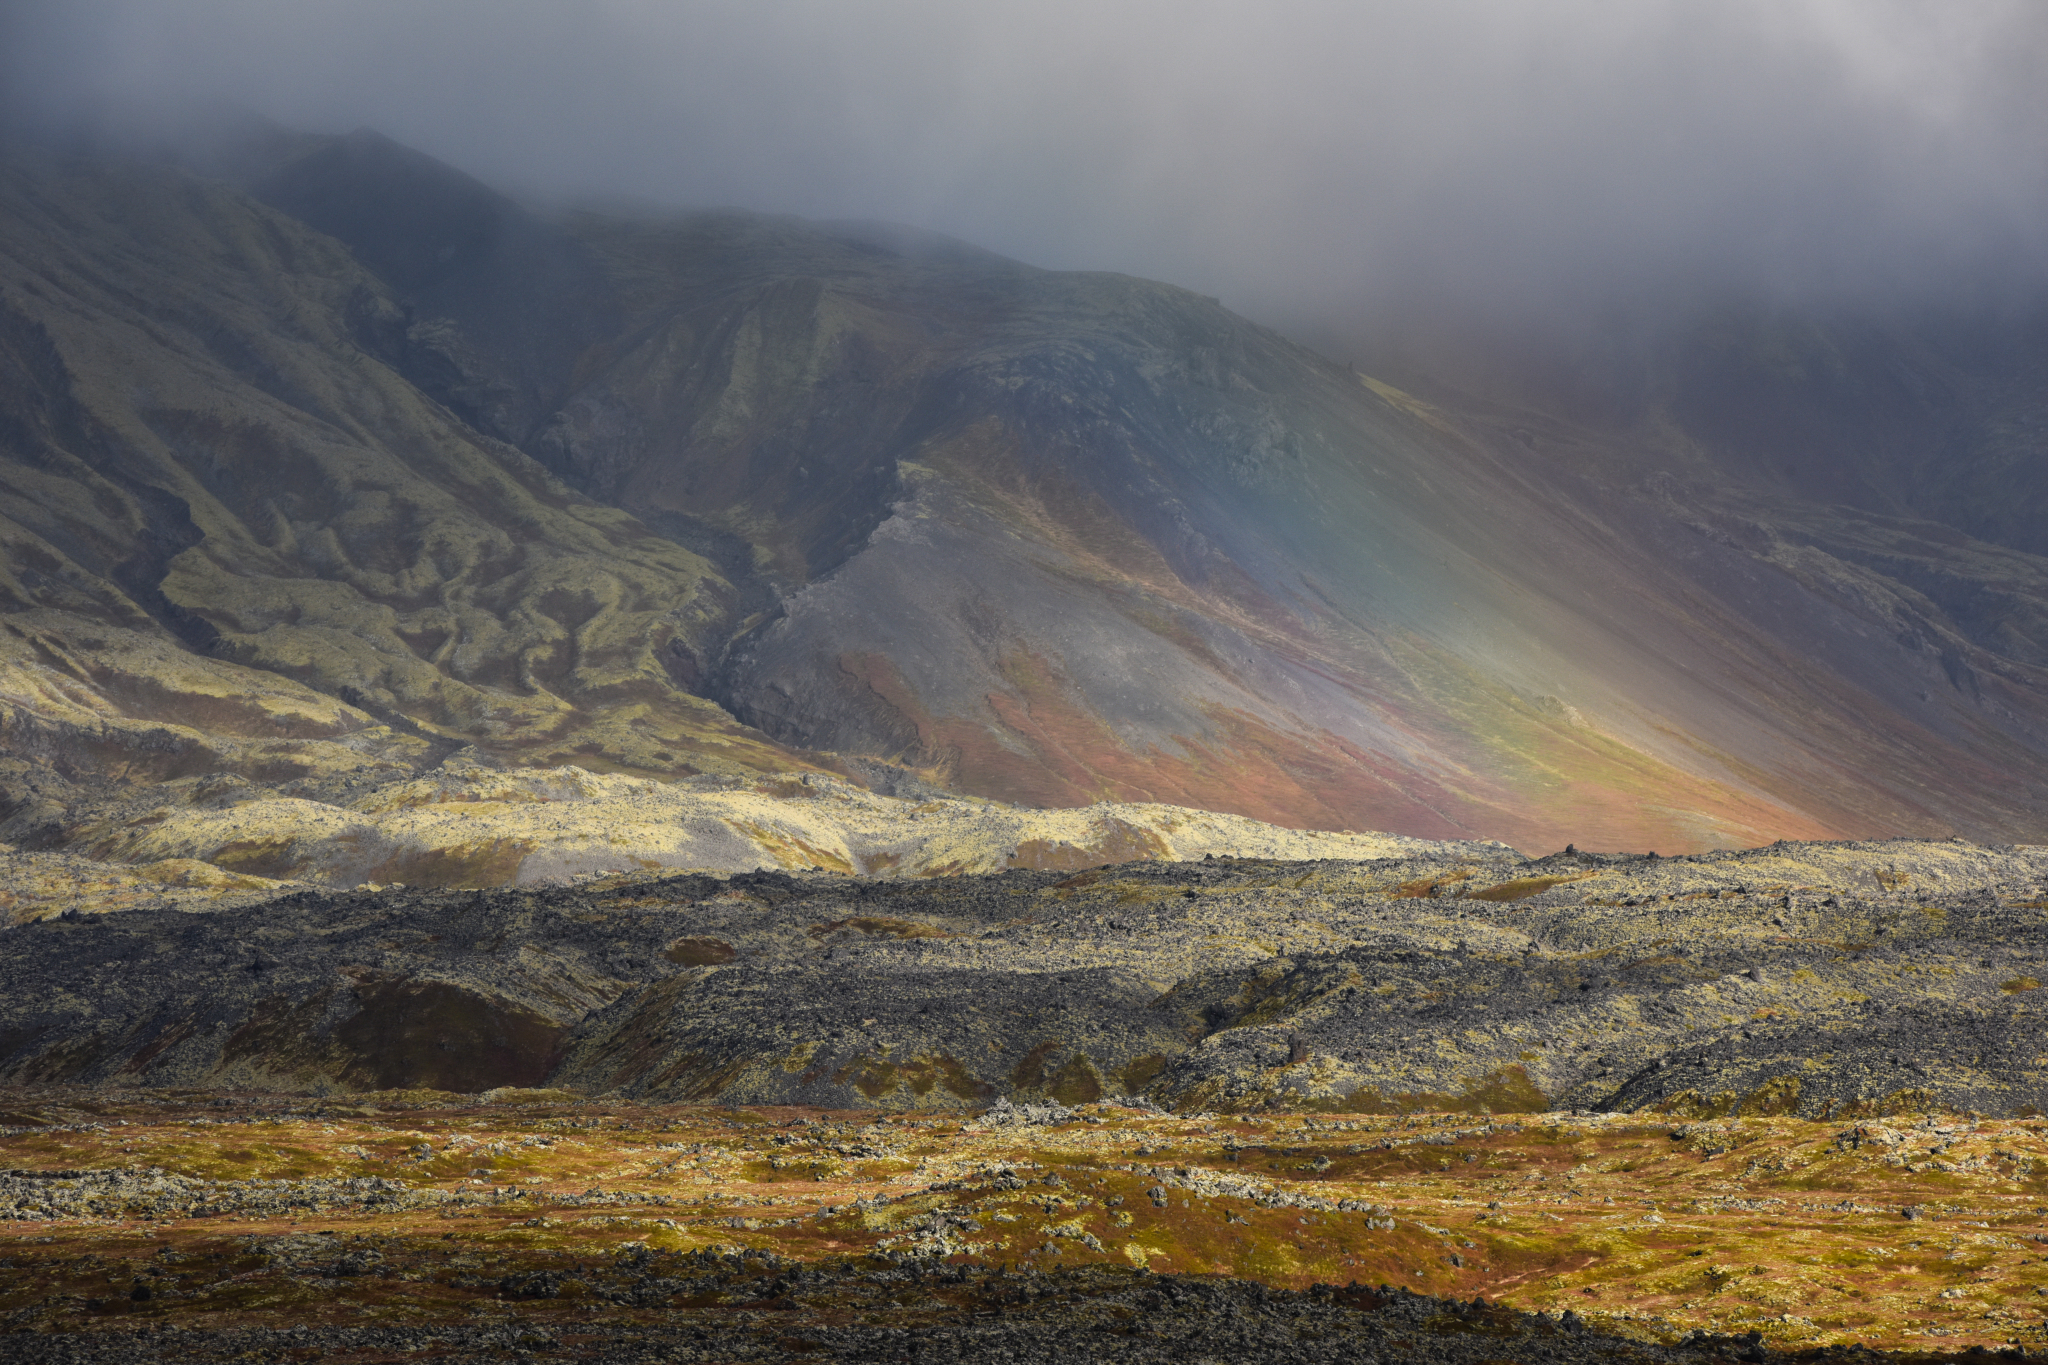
x,y
1809,979
1075,1315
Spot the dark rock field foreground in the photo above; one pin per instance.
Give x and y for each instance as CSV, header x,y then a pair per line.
x,y
1823,980
955,1314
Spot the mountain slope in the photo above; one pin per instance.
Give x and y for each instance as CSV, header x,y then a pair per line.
x,y
236,540
1055,537
1046,537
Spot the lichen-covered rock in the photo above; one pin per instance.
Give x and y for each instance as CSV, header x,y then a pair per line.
x,y
472,824
1843,980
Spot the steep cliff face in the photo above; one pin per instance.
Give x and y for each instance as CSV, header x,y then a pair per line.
x,y
399,466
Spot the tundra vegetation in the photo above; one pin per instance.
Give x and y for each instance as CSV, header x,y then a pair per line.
x,y
1692,1107
561,1222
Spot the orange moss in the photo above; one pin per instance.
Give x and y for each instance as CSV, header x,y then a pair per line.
x,y
1769,1222
878,1077
1507,1090
1522,887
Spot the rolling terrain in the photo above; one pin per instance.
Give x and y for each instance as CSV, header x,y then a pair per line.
x,y
1825,981
1005,785
334,464
415,1225
1448,1104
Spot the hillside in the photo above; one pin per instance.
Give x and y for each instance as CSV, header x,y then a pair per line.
x,y
320,474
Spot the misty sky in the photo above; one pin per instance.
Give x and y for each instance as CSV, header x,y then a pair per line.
x,y
1302,160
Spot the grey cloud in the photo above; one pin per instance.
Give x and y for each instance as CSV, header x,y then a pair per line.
x,y
1302,159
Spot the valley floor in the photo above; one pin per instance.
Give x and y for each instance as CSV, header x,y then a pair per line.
x,y
424,1225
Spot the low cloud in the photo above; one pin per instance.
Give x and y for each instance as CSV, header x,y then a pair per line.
x,y
1310,161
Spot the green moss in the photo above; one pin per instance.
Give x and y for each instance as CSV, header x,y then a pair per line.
x,y
1779,1095
872,1076
1029,1073
880,927
700,952
1428,886
1076,1082
957,1080
1506,1090
272,857
1140,1072
487,862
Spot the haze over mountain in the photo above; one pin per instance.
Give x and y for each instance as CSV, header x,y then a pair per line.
x,y
1667,469
1315,166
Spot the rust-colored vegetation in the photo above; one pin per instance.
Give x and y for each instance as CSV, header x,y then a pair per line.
x,y
1921,1231
1520,888
1425,887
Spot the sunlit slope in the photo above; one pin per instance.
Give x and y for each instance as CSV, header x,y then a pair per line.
x,y
197,841
1138,548
231,537
362,463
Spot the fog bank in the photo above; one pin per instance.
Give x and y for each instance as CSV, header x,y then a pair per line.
x,y
1309,161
